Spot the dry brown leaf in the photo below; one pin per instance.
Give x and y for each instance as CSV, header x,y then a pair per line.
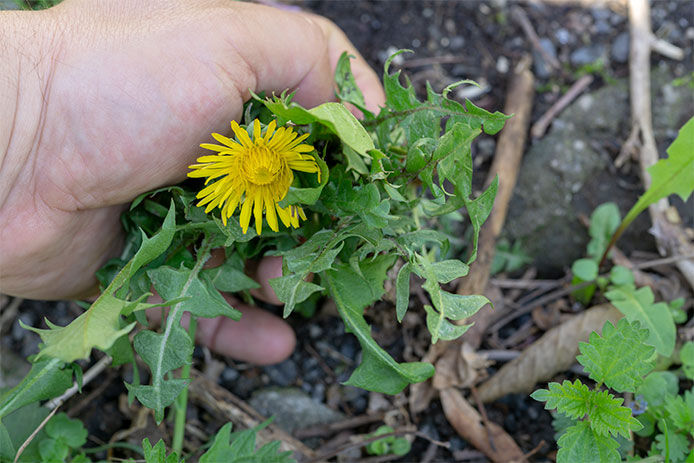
x,y
554,352
493,441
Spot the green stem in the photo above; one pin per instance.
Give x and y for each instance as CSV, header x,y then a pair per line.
x,y
181,404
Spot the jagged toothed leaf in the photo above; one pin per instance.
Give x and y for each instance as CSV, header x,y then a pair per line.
x,y
447,306
671,445
308,194
347,89
569,398
352,293
157,454
638,304
422,119
292,289
195,290
71,431
619,358
681,411
162,352
98,327
672,175
158,396
581,443
608,416
46,379
241,448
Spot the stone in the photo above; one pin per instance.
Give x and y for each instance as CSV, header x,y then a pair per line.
x,y
292,408
282,374
586,55
540,67
565,173
619,52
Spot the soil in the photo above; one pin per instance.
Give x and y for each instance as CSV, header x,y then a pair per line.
x,y
451,40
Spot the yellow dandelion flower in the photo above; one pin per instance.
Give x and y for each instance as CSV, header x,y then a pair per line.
x,y
254,174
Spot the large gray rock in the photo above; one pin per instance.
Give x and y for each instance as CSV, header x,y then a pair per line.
x,y
292,408
566,173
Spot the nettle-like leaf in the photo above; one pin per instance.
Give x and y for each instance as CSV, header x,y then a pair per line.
x,y
241,448
619,358
352,293
605,412
47,379
157,454
671,445
101,325
638,305
581,443
680,410
447,306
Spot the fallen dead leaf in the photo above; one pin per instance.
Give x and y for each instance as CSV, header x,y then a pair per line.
x,y
552,353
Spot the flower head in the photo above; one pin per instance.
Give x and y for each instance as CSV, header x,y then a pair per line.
x,y
254,174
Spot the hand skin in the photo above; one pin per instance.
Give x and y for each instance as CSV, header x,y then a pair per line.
x,y
103,100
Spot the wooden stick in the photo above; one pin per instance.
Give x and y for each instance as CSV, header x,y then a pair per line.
x,y
227,407
540,127
670,238
522,19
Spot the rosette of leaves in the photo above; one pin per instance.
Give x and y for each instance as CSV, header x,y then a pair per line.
x,y
386,183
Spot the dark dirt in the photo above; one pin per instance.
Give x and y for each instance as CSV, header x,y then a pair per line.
x,y
452,40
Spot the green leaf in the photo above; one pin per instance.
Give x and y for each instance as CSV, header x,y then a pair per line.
x,y
308,194
240,448
353,292
672,445
657,318
202,298
70,431
584,270
292,289
570,399
162,353
608,416
605,412
7,450
334,116
620,276
581,443
46,379
53,450
347,89
100,326
680,410
673,175
687,359
230,276
603,223
448,270
157,454
508,258
159,395
619,358
18,426
402,291
448,306
657,386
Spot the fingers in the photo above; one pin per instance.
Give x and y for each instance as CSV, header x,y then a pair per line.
x,y
259,337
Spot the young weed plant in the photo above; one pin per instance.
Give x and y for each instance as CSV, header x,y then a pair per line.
x,y
593,424
344,202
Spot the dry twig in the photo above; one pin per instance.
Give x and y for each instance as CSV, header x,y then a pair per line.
x,y
540,127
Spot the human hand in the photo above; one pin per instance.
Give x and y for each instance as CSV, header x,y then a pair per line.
x,y
111,99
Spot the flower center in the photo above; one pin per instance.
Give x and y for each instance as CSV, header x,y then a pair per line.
x,y
261,166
